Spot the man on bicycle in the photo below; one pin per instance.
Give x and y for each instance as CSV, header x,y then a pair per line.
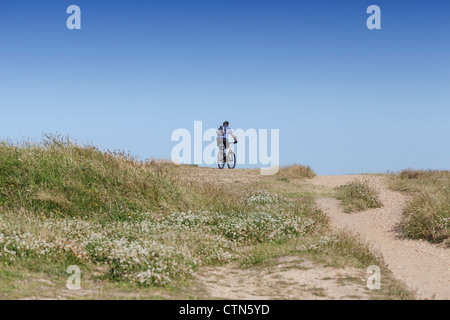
x,y
222,136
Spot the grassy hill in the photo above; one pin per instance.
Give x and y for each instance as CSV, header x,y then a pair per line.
x,y
143,225
62,178
62,203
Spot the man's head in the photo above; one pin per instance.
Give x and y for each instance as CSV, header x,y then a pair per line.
x,y
226,123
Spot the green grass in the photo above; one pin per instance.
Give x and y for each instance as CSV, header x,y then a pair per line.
x,y
427,214
63,204
337,250
138,228
358,195
59,177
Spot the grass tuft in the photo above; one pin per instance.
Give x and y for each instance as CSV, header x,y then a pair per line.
x,y
414,174
297,171
427,214
358,195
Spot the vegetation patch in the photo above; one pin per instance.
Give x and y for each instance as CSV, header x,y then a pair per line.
x,y
63,204
140,226
415,174
297,171
358,195
60,177
427,214
143,249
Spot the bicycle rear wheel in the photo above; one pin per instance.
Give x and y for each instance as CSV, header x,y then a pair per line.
x,y
220,160
231,161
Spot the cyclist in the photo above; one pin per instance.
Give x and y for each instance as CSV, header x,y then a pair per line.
x,y
222,137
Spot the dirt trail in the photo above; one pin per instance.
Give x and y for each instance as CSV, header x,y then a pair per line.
x,y
290,278
424,267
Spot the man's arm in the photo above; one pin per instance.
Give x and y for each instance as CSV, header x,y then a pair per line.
x,y
234,137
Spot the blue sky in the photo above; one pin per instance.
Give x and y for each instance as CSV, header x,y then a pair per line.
x,y
346,99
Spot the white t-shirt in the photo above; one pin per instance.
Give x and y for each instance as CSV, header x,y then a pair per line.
x,y
226,132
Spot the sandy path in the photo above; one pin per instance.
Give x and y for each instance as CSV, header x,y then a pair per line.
x,y
424,267
291,278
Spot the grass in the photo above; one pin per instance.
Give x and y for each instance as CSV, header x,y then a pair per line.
x,y
447,243
59,177
415,174
64,204
336,250
145,250
142,229
296,171
427,214
358,195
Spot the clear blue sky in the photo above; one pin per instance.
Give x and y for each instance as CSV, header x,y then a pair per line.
x,y
346,99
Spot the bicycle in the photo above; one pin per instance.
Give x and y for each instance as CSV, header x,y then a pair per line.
x,y
230,160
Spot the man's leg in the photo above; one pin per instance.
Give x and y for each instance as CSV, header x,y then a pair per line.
x,y
226,147
221,149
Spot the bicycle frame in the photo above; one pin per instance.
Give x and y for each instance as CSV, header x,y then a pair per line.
x,y
225,158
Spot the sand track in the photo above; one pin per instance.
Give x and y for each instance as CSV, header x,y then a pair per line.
x,y
292,278
424,267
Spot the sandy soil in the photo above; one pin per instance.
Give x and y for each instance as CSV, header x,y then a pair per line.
x,y
424,267
291,278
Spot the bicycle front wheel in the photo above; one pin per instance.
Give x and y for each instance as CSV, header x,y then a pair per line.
x,y
231,161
